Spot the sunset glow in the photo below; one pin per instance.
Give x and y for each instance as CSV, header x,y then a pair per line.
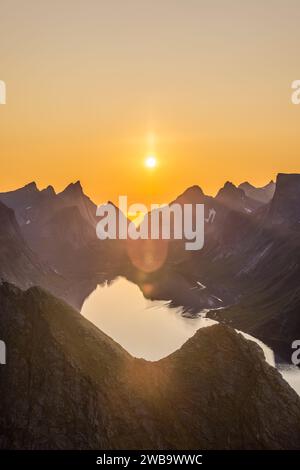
x,y
100,122
150,161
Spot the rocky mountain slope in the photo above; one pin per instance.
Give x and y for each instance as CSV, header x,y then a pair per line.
x,y
264,267
59,228
26,200
18,263
77,389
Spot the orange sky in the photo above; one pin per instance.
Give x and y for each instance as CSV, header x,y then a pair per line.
x,y
89,81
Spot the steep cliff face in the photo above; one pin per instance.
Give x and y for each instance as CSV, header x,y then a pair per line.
x,y
266,267
18,264
285,207
67,385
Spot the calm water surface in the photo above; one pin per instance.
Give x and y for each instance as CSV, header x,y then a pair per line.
x,y
151,330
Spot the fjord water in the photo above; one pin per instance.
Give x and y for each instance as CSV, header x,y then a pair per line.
x,y
151,329
146,329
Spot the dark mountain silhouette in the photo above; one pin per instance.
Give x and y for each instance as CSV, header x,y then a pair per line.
x,y
23,267
250,259
32,205
25,200
262,195
229,200
285,205
18,264
62,239
264,268
236,199
229,222
73,195
78,389
59,228
226,220
192,195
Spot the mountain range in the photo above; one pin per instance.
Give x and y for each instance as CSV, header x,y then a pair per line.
x,y
250,260
67,385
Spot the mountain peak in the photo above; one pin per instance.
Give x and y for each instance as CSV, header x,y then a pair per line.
x,y
49,190
194,190
73,187
246,185
30,186
288,179
229,190
77,350
193,194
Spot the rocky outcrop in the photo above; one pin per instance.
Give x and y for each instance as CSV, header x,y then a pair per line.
x,y
285,205
18,264
66,385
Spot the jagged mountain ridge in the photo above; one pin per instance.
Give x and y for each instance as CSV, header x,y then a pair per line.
x,y
250,259
31,204
59,228
263,195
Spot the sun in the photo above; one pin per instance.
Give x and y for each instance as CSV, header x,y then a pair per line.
x,y
150,161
